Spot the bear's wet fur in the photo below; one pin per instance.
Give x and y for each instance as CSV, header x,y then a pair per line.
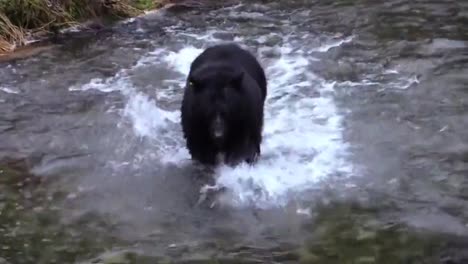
x,y
222,106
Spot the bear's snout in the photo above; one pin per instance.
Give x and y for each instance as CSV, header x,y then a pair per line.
x,y
218,128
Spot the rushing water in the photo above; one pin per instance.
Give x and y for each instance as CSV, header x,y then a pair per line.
x,y
364,140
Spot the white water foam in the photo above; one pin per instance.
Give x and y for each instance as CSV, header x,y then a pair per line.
x,y
9,90
303,141
334,44
140,103
302,135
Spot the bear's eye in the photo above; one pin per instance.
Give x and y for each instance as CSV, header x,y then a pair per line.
x,y
192,85
196,86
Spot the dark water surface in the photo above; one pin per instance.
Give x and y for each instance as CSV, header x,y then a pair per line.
x,y
365,153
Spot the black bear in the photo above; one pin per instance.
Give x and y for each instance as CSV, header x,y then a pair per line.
x,y
222,106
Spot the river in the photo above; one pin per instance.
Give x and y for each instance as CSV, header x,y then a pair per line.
x,y
364,158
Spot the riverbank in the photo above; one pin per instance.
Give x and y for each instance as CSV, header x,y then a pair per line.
x,y
23,22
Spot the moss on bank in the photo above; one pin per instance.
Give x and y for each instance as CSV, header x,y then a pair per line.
x,y
18,18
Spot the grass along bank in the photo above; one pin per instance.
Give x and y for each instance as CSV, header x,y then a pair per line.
x,y
20,20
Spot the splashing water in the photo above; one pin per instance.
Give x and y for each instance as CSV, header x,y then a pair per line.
x,y
302,134
303,149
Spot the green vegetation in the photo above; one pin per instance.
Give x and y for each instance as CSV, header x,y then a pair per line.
x,y
21,17
145,4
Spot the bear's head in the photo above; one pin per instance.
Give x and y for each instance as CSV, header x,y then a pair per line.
x,y
218,101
